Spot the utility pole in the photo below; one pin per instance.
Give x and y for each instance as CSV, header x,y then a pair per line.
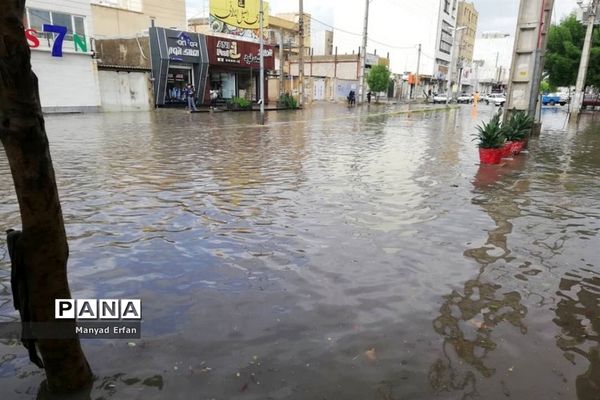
x,y
418,67
301,55
585,59
261,18
450,69
281,62
531,38
363,69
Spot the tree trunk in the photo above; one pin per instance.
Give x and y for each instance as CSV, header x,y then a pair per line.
x,y
45,248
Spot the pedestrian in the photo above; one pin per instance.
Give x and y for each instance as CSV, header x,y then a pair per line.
x,y
191,101
351,98
369,97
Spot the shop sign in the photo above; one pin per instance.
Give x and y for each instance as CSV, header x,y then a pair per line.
x,y
57,48
227,52
182,46
223,51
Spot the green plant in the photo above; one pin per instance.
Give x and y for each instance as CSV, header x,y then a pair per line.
x,y
378,79
518,126
240,102
288,101
491,135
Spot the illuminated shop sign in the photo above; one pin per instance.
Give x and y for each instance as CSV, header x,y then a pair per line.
x,y
60,33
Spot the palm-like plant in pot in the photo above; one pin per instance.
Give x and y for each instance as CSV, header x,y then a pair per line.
x,y
490,137
517,130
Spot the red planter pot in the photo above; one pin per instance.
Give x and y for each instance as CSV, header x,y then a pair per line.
x,y
517,146
490,156
507,149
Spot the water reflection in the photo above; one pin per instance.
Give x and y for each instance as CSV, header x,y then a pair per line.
x,y
578,316
469,317
284,253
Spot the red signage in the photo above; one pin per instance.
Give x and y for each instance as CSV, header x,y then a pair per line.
x,y
237,53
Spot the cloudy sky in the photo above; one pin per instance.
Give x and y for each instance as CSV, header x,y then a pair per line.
x,y
499,15
347,18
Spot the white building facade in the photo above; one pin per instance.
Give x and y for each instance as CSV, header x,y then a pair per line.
x,y
58,33
492,56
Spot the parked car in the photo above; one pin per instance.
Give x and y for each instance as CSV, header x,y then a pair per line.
x,y
551,99
439,98
591,100
497,99
464,98
564,98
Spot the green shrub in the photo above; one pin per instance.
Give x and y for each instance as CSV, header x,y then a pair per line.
x,y
288,101
491,135
239,103
518,126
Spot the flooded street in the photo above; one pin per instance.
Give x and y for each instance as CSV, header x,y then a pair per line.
x,y
334,254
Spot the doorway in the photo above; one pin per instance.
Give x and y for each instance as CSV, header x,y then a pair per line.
x,y
177,78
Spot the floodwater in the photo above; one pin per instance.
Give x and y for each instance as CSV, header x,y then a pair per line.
x,y
334,254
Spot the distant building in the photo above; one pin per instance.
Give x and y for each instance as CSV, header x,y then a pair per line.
x,y
130,18
68,79
429,23
493,55
467,17
295,17
322,43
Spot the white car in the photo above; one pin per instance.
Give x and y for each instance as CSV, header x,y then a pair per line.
x,y
497,99
439,98
464,98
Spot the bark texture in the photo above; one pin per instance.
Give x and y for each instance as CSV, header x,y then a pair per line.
x,y
45,249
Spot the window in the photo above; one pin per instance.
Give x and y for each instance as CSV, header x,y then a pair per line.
x,y
63,20
445,47
447,6
79,26
36,19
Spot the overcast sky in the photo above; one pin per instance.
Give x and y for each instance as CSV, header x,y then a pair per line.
x,y
496,15
347,16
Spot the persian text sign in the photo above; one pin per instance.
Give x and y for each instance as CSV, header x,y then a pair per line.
x,y
240,13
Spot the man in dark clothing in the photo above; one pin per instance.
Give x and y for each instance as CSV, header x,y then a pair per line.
x,y
369,94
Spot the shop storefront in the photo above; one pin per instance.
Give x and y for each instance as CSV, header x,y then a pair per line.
x,y
219,68
235,68
178,58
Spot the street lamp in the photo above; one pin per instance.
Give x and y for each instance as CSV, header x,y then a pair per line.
x,y
449,77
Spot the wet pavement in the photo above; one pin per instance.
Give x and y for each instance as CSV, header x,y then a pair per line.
x,y
334,254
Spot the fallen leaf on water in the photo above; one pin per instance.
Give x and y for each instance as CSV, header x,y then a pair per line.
x,y
371,355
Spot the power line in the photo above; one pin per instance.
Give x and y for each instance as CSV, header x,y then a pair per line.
x,y
360,35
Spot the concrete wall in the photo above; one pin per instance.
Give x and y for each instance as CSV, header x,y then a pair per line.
x,y
124,52
125,91
346,66
111,22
